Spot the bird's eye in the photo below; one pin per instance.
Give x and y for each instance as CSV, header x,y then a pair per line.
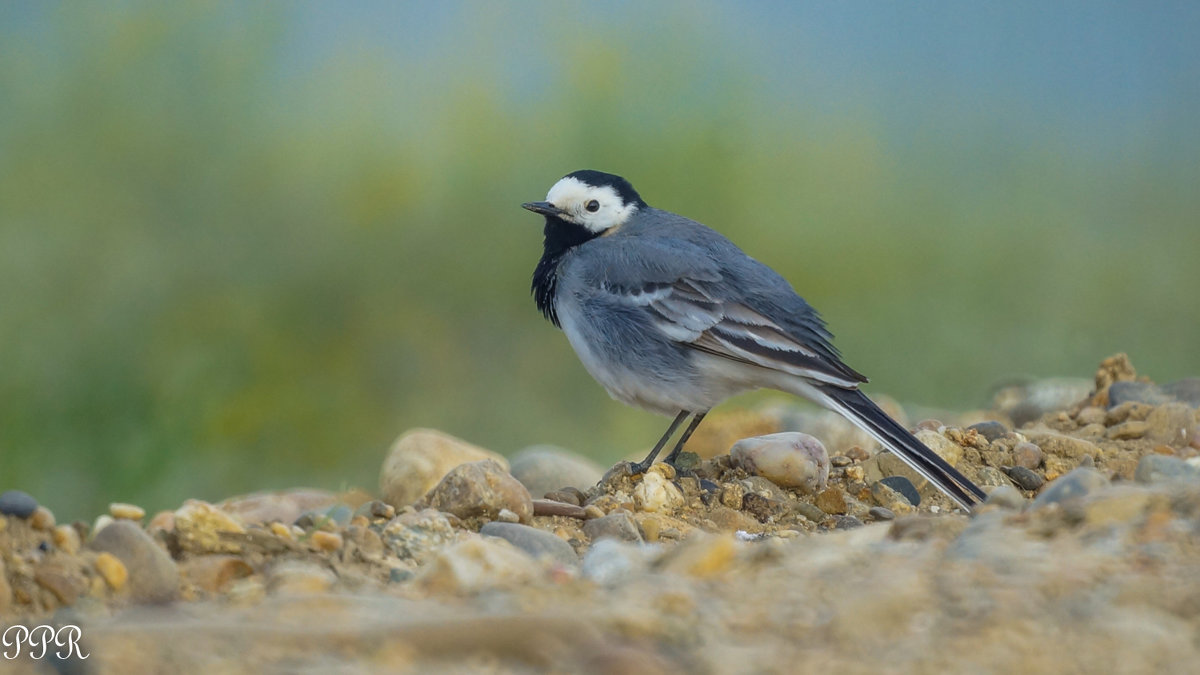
x,y
592,206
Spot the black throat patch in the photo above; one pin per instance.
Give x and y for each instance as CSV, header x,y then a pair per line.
x,y
560,237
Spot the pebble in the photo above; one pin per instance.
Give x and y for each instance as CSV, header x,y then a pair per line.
x,y
990,430
416,535
857,453
887,464
17,503
1023,403
284,506
481,490
764,509
617,525
1027,454
376,509
122,511
539,544
810,511
1162,468
1132,390
930,424
420,458
904,487
326,541
102,521
1090,415
66,538
651,528
1073,485
846,522
591,512
328,519
610,561
214,573
199,526
991,476
840,461
112,569
1026,479
1008,497
789,459
547,507
832,501
1060,445
477,564
546,468
881,513
152,575
563,497
1129,410
1170,423
42,519
732,494
299,577
1128,429
656,494
163,521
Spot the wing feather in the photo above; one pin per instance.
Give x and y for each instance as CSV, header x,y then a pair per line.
x,y
691,312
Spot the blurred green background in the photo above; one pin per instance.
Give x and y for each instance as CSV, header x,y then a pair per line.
x,y
244,246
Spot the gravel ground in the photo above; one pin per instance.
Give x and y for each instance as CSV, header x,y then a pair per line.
x,y
806,548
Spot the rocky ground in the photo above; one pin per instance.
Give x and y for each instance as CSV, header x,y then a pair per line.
x,y
788,542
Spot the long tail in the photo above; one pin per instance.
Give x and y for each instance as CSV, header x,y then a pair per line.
x,y
863,412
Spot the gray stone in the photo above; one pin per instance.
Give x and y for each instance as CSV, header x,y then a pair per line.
x,y
17,503
905,487
617,525
549,507
1026,479
881,513
1163,468
546,468
1073,485
1026,402
990,430
153,575
1132,390
1185,391
535,542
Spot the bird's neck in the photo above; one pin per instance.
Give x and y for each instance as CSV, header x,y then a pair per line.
x,y
560,237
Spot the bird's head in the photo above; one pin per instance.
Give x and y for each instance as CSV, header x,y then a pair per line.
x,y
593,200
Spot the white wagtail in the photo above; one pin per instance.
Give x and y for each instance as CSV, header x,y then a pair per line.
x,y
672,317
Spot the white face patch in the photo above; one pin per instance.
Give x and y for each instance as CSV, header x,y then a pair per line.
x,y
573,196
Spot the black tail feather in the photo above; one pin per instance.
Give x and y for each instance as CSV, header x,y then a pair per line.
x,y
864,413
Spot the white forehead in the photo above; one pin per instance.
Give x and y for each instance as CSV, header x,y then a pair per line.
x,y
571,190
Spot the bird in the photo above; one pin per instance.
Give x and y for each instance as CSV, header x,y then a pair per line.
x,y
671,316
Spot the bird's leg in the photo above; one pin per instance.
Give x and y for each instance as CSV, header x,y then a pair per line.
x,y
641,466
687,433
